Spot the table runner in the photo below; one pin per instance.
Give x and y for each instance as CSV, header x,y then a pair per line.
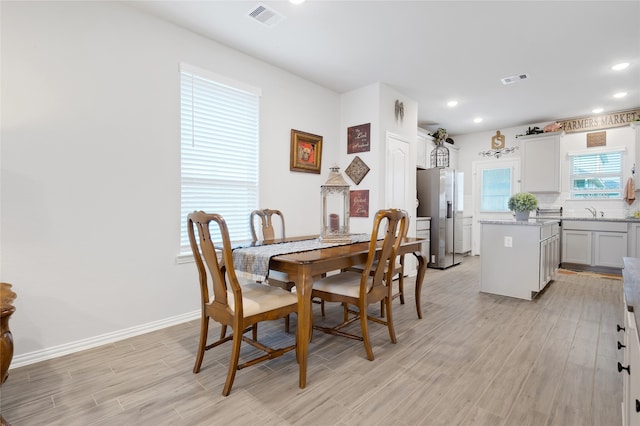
x,y
253,262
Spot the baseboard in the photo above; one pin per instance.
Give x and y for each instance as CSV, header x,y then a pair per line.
x,y
92,342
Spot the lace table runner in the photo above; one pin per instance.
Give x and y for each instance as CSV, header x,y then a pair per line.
x,y
253,262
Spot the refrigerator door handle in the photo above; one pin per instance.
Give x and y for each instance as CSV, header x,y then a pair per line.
x,y
449,210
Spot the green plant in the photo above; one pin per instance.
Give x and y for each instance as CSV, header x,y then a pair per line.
x,y
522,202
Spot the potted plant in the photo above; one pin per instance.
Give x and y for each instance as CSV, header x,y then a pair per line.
x,y
522,203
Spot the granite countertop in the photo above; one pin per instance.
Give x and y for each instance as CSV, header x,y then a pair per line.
x,y
591,219
631,285
530,222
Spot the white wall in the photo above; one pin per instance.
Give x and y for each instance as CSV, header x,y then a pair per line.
x,y
90,163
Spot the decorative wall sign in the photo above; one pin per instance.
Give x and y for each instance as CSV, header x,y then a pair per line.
x,y
599,122
357,170
359,203
497,141
359,138
596,139
306,152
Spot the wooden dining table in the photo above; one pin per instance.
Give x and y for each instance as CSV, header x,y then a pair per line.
x,y
301,267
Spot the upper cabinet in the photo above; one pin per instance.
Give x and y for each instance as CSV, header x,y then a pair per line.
x,y
541,162
424,146
636,165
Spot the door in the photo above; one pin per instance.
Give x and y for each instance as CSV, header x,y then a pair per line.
x,y
400,190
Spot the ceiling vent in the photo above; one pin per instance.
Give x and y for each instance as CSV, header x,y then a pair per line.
x,y
514,78
266,15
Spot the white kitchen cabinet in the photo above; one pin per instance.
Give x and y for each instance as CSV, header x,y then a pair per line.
x,y
422,150
518,258
541,165
629,344
636,126
423,230
594,243
463,235
633,240
577,246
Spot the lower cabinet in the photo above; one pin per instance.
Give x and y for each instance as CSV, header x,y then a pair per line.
x,y
630,370
518,259
423,230
594,243
634,238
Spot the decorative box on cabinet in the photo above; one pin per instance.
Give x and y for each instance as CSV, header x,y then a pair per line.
x,y
541,165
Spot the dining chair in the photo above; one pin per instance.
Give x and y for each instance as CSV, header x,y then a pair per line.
x,y
264,229
398,271
372,285
230,303
265,223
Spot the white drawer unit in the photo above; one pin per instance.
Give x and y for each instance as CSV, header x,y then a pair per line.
x,y
423,230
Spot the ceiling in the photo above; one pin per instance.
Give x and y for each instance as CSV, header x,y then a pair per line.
x,y
436,51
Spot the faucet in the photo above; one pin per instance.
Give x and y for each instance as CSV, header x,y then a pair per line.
x,y
592,210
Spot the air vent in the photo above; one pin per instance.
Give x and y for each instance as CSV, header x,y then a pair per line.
x,y
265,15
514,78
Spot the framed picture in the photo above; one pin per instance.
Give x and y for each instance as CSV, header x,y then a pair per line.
x,y
359,138
306,152
357,170
359,203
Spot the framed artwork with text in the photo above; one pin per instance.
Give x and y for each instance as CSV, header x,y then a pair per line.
x,y
359,138
359,203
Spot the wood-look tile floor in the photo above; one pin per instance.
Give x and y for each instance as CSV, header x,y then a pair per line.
x,y
473,359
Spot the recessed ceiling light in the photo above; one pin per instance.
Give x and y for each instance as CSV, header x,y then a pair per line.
x,y
597,110
477,120
620,95
452,103
620,66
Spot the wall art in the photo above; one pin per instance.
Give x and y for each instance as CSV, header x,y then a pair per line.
x,y
359,138
359,203
357,170
306,152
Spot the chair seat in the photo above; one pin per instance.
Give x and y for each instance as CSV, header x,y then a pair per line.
x,y
345,283
259,298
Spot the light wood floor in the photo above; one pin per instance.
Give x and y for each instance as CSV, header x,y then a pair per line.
x,y
473,359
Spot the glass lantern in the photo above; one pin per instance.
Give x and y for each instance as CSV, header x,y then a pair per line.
x,y
440,156
335,208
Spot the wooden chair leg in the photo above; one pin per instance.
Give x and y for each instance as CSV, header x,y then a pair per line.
x,y
286,324
401,287
364,325
392,332
233,361
204,331
254,331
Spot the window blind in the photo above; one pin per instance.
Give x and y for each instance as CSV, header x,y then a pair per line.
x,y
219,131
596,175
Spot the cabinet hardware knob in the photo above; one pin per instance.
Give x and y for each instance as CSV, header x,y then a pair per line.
x,y
620,368
620,346
637,406
619,328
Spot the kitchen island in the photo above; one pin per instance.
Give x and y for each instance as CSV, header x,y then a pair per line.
x,y
518,258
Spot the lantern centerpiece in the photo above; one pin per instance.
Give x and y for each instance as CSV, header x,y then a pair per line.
x,y
335,208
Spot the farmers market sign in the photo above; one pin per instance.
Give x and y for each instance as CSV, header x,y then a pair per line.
x,y
597,122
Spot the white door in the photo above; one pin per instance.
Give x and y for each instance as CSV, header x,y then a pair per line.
x,y
401,184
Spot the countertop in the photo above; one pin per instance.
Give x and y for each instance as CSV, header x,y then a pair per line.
x,y
631,283
591,219
530,222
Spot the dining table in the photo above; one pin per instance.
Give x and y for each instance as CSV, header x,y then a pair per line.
x,y
302,266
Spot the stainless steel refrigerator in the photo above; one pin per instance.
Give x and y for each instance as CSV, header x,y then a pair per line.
x,y
438,193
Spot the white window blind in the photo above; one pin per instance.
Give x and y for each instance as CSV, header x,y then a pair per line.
x,y
596,175
219,130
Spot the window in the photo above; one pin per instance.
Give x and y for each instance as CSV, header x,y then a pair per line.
x,y
496,189
219,151
596,175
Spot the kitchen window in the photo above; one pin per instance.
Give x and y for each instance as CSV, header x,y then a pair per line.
x,y
219,131
496,189
596,175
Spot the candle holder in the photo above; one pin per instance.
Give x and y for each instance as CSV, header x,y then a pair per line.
x,y
335,208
